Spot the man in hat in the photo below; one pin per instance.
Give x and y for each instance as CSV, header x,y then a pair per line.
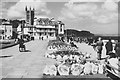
x,y
108,46
99,46
117,48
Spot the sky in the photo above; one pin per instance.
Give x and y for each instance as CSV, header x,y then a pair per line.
x,y
96,16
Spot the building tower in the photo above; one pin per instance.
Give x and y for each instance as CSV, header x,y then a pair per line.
x,y
29,16
30,20
61,26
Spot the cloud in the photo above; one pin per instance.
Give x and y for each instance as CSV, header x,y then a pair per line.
x,y
2,10
105,12
94,16
110,5
77,11
105,17
18,10
90,1
86,1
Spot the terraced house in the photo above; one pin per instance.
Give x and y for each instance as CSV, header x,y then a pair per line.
x,y
5,30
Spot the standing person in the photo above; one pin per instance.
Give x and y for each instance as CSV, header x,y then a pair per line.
x,y
99,48
109,47
117,48
94,44
42,37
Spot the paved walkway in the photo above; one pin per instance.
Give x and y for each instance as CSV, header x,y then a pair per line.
x,y
24,64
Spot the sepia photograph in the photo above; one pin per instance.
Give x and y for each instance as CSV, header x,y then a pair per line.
x,y
59,40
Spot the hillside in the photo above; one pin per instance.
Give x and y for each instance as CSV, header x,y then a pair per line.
x,y
76,33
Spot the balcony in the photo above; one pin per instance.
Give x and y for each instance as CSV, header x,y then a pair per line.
x,y
51,31
45,30
40,30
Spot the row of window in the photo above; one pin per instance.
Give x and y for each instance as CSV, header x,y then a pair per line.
x,y
48,34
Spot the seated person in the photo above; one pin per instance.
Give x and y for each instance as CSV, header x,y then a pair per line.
x,y
21,43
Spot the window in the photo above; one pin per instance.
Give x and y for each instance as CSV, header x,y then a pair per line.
x,y
40,34
45,33
30,28
5,30
34,33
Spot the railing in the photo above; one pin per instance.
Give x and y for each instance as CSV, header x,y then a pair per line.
x,y
45,30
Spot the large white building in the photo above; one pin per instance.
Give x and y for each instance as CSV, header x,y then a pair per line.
x,y
47,28
41,27
45,31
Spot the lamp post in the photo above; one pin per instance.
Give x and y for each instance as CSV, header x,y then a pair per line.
x,y
5,31
22,27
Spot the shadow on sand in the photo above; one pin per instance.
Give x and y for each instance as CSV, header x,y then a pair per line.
x,y
6,56
26,51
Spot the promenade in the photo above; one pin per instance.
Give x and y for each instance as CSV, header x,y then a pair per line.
x,y
29,64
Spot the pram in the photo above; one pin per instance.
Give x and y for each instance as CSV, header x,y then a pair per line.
x,y
22,47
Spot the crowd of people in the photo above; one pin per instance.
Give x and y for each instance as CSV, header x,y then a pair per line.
x,y
112,48
98,44
74,62
70,61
